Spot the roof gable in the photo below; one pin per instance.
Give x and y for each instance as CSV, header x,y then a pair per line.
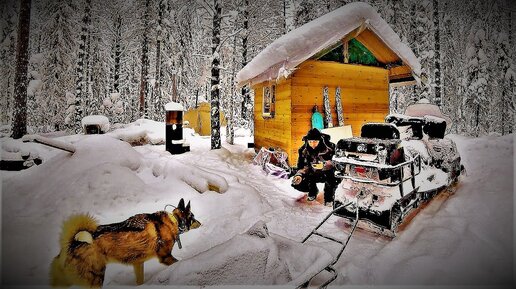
x,y
355,20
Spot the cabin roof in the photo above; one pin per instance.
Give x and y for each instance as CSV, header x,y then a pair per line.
x,y
355,20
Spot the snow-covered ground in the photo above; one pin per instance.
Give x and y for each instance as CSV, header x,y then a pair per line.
x,y
251,231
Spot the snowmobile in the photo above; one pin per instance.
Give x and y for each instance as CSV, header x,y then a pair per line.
x,y
393,169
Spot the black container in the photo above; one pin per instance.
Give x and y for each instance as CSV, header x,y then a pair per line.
x,y
174,132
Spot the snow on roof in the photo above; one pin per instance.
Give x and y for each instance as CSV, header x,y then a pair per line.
x,y
99,120
283,55
173,106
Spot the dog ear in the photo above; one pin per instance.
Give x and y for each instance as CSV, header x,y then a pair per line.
x,y
188,207
181,205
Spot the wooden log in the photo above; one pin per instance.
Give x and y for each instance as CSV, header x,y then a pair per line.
x,y
49,142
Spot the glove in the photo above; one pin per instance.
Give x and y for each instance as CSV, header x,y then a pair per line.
x,y
296,180
327,165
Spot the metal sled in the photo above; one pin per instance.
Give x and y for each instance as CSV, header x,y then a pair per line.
x,y
329,268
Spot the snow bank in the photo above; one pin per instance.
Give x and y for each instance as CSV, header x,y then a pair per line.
x,y
99,178
255,257
198,178
283,55
142,131
467,240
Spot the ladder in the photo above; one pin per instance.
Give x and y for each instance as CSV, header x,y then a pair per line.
x,y
343,244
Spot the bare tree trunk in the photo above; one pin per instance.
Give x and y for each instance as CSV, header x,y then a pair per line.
x,y
437,55
215,77
230,127
118,55
157,85
81,81
145,63
19,124
245,88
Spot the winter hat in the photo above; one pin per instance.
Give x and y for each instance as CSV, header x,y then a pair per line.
x,y
313,134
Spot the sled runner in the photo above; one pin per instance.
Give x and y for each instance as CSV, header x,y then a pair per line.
x,y
343,244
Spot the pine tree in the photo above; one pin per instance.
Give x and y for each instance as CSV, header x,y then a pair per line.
x,y
19,125
476,98
58,48
8,20
507,75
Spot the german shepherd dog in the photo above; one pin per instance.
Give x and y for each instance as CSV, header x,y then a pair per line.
x,y
87,247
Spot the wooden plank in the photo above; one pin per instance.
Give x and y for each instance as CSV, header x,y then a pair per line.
x,y
329,68
377,47
348,96
400,72
346,74
367,83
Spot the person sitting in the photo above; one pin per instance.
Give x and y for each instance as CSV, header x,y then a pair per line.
x,y
315,166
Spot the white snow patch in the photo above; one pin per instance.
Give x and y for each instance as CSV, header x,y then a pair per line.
x,y
426,109
174,106
142,131
252,258
466,240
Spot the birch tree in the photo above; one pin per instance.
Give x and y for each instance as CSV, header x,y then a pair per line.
x,y
215,76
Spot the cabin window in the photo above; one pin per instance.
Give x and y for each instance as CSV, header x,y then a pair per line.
x,y
269,101
358,54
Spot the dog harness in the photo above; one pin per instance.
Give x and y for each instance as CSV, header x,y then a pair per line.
x,y
180,231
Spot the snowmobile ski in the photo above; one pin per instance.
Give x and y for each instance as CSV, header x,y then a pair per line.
x,y
327,108
338,107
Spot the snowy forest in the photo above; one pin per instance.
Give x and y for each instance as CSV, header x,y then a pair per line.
x,y
126,59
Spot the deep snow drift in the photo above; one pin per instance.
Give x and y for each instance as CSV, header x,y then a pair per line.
x,y
465,240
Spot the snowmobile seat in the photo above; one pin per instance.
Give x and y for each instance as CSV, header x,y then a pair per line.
x,y
382,131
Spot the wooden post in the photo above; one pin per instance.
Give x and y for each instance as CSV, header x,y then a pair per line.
x,y
345,50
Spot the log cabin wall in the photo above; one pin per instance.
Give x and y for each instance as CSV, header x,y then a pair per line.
x,y
364,95
274,131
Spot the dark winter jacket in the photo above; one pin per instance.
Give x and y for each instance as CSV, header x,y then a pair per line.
x,y
322,153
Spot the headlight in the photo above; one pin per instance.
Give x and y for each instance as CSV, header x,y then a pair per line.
x,y
362,148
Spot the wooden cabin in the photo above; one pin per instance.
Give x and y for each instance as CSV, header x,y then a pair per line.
x,y
199,118
351,49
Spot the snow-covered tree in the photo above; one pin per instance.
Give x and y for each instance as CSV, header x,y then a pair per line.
x,y
476,98
506,76
215,76
60,57
82,60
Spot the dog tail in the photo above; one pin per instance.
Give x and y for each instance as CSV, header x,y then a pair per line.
x,y
78,228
